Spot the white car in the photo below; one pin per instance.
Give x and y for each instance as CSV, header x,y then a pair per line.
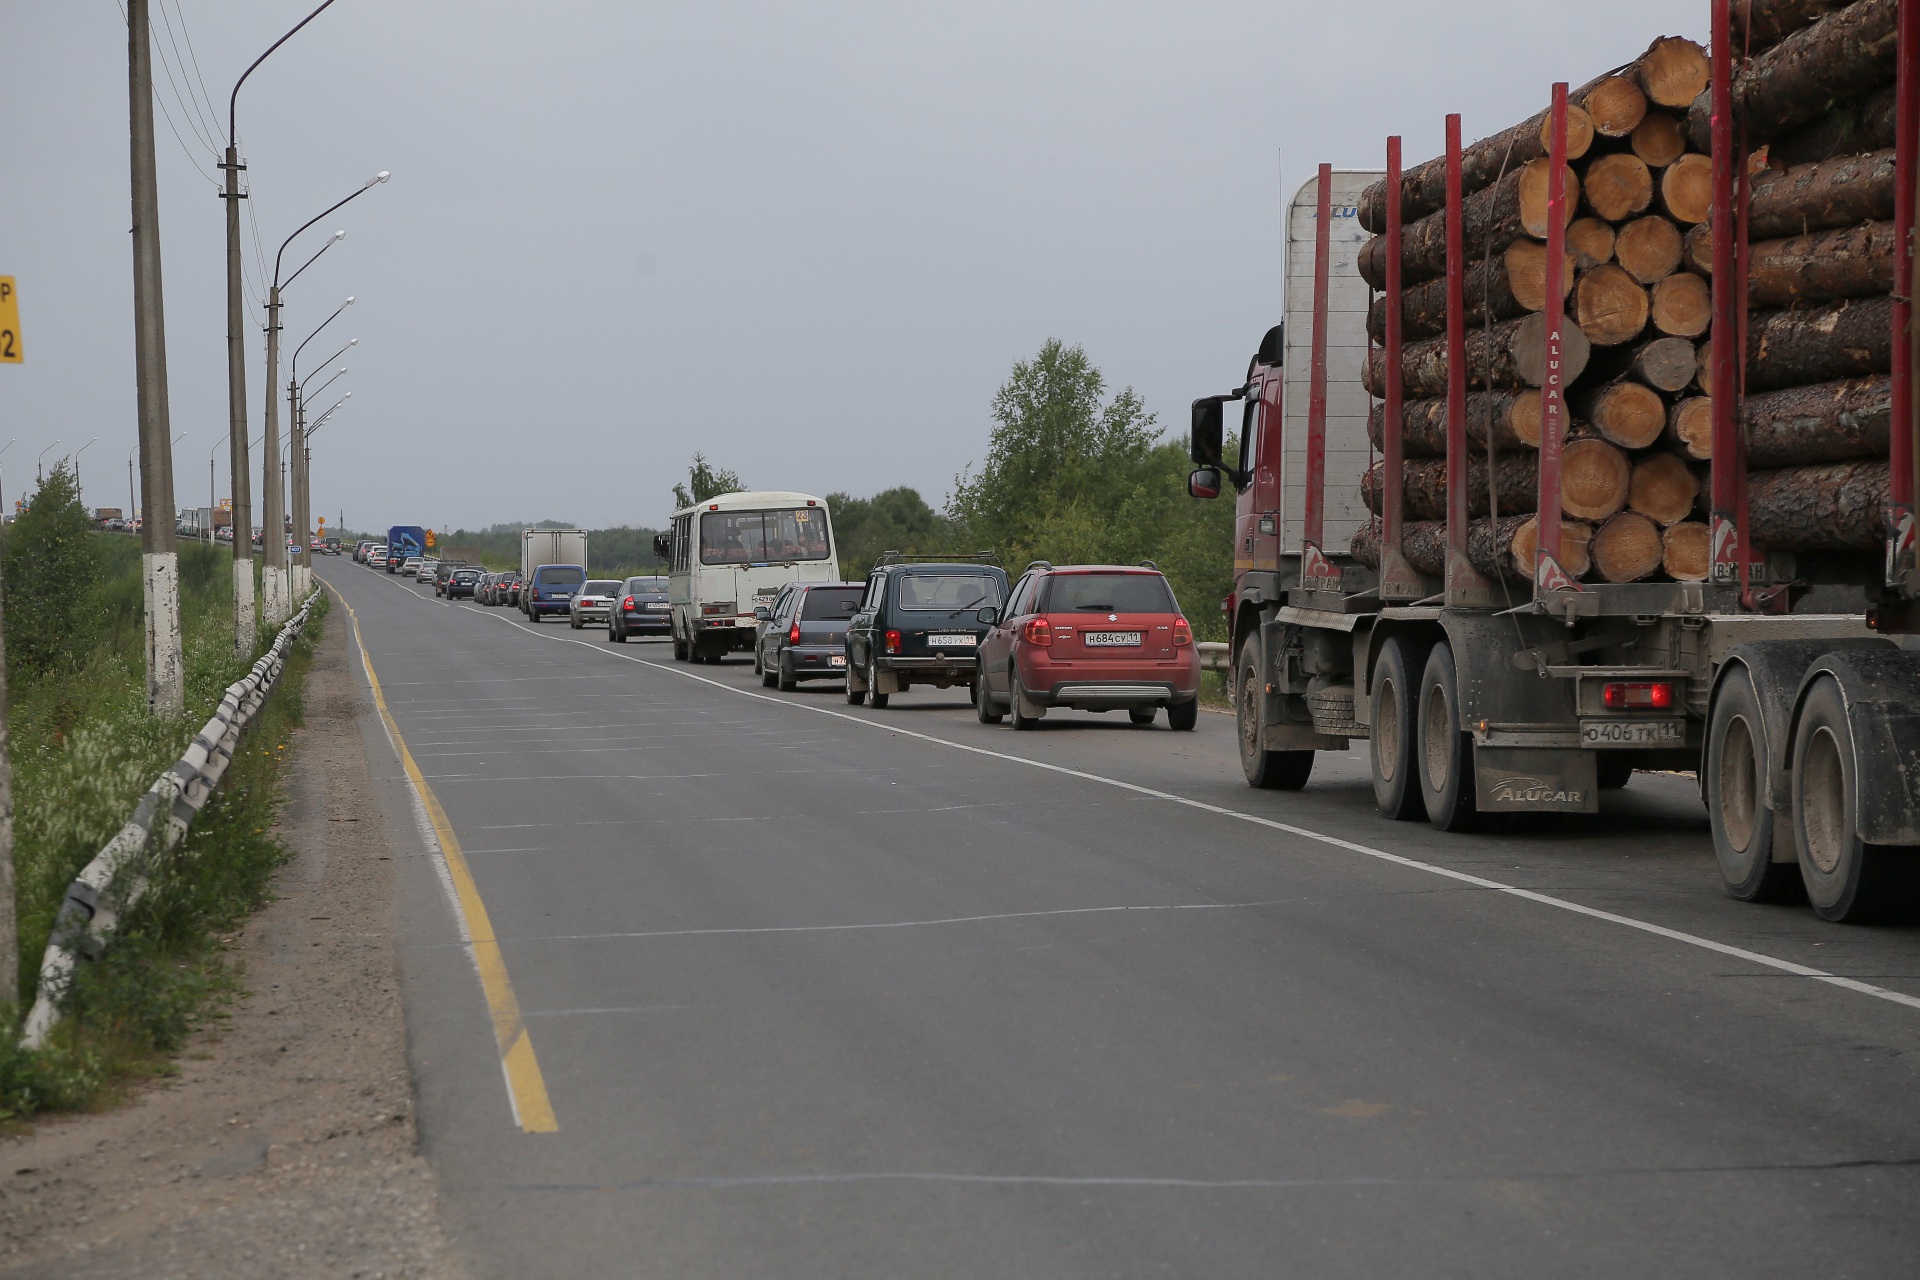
x,y
410,566
593,602
425,570
376,557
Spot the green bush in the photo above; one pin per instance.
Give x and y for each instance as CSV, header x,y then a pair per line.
x,y
54,601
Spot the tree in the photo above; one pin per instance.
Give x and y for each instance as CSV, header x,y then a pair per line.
x,y
704,481
52,571
1076,478
894,520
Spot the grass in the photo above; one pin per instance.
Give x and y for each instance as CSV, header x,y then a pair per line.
x,y
84,751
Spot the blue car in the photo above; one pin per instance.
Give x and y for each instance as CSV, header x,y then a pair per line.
x,y
551,590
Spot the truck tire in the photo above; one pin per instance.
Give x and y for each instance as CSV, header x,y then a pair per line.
x,y
1736,787
1265,770
1445,752
1396,782
1613,769
1848,881
680,650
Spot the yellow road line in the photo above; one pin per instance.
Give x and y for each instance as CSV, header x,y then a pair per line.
x,y
526,1087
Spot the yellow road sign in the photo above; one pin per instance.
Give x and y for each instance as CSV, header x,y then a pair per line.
x,y
9,322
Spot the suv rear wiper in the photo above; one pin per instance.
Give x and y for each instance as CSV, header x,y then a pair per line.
x,y
963,608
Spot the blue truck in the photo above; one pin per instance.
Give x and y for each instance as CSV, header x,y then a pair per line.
x,y
404,541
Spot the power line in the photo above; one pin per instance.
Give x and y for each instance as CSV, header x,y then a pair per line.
x,y
212,110
190,105
161,102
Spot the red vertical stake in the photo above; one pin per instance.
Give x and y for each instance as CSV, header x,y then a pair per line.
x,y
1728,542
1548,575
1456,370
1900,508
1392,443
1313,563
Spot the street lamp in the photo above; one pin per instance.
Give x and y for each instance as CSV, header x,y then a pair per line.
x,y
76,462
133,503
3,482
296,410
239,467
39,472
274,575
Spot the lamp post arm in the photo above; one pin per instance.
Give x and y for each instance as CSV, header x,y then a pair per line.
x,y
233,102
371,183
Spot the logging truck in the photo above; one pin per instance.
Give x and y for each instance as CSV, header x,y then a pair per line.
x,y
1732,588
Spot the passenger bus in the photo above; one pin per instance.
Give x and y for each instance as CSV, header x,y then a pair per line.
x,y
735,551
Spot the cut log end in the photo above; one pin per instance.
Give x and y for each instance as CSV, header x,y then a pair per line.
x,y
1628,414
1627,548
1528,348
1682,305
1610,305
1650,249
1526,262
1618,186
1580,130
1686,551
1594,479
1536,188
1575,539
1664,488
1686,188
1615,107
1591,241
1660,139
1673,71
1690,427
1668,364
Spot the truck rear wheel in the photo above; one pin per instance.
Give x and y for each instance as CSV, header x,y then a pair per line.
x,y
1848,880
1736,774
1267,770
1445,753
1396,783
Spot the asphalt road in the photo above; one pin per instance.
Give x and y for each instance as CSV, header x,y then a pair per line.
x,y
823,991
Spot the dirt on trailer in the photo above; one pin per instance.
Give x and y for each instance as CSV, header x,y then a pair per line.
x,y
285,1146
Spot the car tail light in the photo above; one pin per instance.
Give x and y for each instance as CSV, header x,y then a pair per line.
x,y
1182,633
1039,632
893,642
793,632
711,609
1638,697
534,594
627,604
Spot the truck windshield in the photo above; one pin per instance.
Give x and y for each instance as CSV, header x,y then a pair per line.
x,y
752,537
945,592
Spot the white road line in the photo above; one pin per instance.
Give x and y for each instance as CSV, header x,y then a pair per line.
x,y
1305,833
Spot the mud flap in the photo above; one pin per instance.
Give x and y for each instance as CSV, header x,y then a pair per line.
x,y
1535,780
888,681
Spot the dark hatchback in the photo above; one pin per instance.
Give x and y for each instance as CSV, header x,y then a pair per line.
x,y
640,610
462,582
804,633
918,623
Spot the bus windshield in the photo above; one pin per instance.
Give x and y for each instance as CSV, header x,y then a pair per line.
x,y
758,537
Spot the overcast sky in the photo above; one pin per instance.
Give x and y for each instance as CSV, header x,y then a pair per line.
x,y
809,240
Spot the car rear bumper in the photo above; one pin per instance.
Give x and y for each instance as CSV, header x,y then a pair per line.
x,y
646,621
549,606
1100,695
959,664
814,661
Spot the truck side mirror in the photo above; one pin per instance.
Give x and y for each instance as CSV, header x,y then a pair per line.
x,y
662,546
1209,433
1204,483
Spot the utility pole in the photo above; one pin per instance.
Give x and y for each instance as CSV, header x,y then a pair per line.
x,y
159,560
273,512
297,444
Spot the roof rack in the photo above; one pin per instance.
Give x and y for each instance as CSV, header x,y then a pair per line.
x,y
1148,564
901,557
1037,564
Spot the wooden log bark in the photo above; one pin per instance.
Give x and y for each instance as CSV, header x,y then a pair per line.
x,y
1510,356
1814,197
1758,25
1575,538
1682,305
1626,548
1629,414
1490,220
1827,422
1837,506
1816,344
1424,544
1610,306
1664,488
1825,266
1852,128
1660,139
1502,287
1690,427
1649,249
1840,56
1510,420
1424,486
1617,186
1686,189
1686,551
1594,479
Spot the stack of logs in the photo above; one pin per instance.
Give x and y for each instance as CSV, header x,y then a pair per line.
x,y
1813,93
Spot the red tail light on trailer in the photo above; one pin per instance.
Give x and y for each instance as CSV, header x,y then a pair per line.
x,y
1638,697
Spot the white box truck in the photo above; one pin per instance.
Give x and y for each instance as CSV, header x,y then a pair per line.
x,y
551,546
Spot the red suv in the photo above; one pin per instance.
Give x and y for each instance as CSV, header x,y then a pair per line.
x,y
1091,637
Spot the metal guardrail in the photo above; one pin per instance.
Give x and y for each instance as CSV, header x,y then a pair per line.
x,y
118,875
1214,656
